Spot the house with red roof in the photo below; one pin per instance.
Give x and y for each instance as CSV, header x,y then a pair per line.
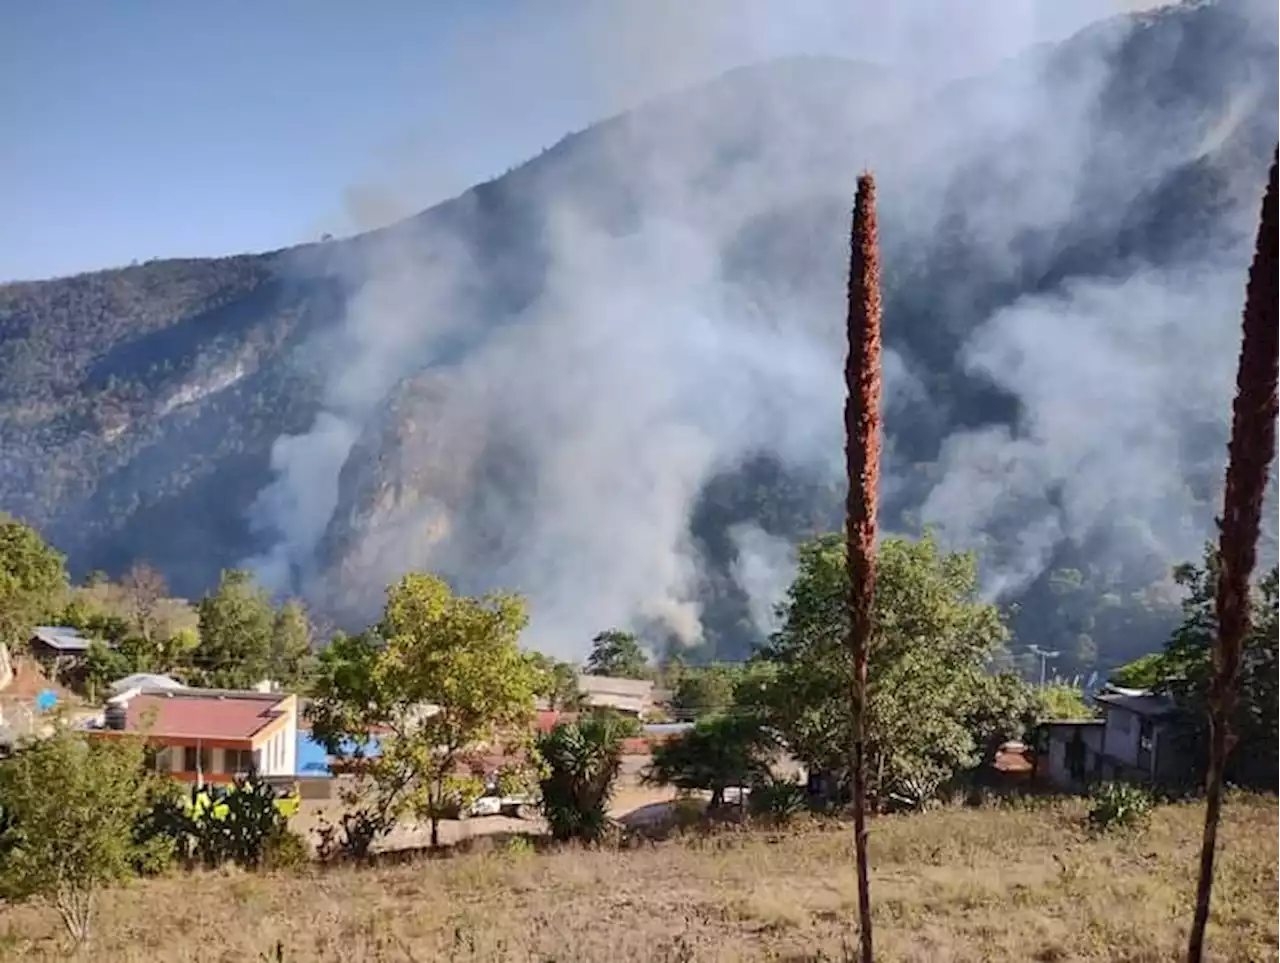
x,y
208,735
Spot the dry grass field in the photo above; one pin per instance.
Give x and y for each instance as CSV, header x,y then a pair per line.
x,y
991,884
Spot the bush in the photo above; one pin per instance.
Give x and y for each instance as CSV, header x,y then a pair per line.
x,y
285,850
580,763
220,824
71,806
780,800
1120,806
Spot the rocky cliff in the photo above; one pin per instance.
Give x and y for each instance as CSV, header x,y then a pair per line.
x,y
610,378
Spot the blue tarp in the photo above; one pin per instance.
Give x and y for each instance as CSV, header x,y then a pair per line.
x,y
314,761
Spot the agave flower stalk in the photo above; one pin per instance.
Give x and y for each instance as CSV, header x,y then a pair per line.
x,y
1253,445
862,461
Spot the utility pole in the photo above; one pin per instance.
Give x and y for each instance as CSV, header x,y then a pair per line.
x,y
1045,656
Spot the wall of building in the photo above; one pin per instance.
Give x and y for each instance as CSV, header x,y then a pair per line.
x,y
1055,766
1122,730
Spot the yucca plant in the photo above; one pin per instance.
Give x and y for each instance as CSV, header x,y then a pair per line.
x,y
580,762
778,799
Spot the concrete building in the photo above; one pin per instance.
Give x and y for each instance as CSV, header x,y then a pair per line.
x,y
1132,740
631,696
208,735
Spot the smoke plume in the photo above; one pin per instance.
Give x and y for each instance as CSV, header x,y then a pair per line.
x,y
687,306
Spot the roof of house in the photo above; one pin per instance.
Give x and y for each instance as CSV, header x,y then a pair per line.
x,y
146,682
202,714
633,695
61,637
1138,701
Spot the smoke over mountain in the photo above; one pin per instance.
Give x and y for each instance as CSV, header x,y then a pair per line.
x,y
542,410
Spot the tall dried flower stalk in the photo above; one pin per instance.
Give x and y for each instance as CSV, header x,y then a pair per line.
x,y
862,460
1253,445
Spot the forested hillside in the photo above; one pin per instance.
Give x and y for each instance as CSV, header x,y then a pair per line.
x,y
610,378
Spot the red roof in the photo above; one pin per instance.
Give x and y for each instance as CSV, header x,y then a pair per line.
x,y
203,717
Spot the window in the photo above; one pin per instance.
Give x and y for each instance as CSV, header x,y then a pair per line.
x,y
1146,735
197,760
238,760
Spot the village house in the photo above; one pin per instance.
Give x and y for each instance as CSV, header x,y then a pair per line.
x,y
58,649
1131,741
207,735
633,697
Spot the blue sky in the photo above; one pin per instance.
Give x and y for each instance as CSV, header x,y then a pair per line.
x,y
134,129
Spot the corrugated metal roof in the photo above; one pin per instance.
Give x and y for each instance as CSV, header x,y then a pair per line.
x,y
1136,701
146,682
62,637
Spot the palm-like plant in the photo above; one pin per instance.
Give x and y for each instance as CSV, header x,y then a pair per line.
x,y
580,762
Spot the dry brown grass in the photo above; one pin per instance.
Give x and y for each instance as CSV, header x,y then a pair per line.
x,y
952,885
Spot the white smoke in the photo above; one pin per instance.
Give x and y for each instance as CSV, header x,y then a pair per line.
x,y
645,364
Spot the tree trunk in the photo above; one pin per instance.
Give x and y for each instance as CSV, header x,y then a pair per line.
x,y
862,462
1253,443
435,831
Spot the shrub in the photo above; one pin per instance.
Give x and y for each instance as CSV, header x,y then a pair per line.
x,y
780,800
1120,806
71,808
219,824
580,763
286,849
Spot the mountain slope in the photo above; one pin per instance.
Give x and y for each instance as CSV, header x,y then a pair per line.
x,y
610,378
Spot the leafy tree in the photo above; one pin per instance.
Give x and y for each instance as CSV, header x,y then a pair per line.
x,y
32,576
237,630
559,685
580,763
1143,672
1186,666
618,654
719,752
102,666
291,639
705,690
1062,702
927,682
73,804
441,675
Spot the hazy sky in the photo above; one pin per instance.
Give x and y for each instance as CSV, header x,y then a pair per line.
x,y
132,129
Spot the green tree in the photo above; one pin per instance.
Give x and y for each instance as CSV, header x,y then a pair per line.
x,y
1144,672
559,683
580,762
73,804
705,690
237,630
291,638
718,753
32,577
1186,667
618,654
927,678
441,676
1062,702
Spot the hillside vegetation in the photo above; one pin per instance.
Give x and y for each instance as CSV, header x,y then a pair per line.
x,y
998,885
141,408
